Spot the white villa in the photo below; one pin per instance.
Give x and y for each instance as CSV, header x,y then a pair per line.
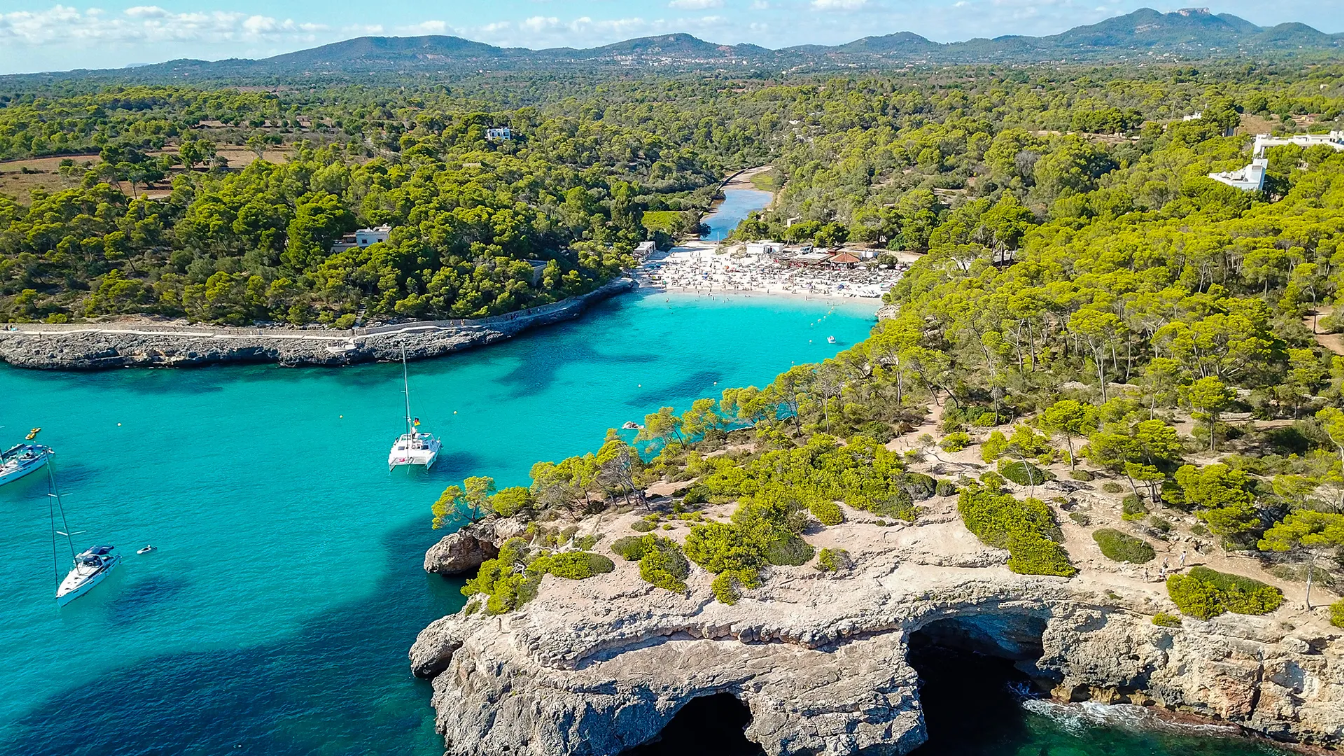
x,y
1252,177
362,238
499,134
1248,179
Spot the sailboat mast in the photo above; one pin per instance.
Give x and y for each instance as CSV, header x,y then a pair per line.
x,y
406,389
53,506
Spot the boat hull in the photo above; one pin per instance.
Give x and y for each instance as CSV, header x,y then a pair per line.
x,y
24,468
87,584
420,451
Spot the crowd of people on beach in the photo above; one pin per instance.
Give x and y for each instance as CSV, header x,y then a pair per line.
x,y
707,271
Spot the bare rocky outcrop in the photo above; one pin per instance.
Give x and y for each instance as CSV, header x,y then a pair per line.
x,y
101,347
463,550
594,667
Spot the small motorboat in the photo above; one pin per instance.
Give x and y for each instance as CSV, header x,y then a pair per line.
x,y
632,425
830,339
32,434
148,548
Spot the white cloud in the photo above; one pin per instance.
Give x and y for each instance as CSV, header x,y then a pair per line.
x,y
838,5
426,27
148,24
760,5
695,4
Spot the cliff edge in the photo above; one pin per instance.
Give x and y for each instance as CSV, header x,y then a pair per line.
x,y
593,667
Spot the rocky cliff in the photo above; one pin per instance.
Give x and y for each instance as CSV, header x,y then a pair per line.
x,y
596,666
100,347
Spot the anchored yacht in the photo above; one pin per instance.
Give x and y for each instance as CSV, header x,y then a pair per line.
x,y
90,568
21,460
412,447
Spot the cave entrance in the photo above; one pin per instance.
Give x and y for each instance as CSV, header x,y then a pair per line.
x,y
971,681
707,726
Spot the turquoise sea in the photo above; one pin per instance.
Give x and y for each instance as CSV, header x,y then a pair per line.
x,y
275,617
276,614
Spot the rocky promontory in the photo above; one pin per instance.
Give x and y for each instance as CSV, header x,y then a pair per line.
x,y
596,666
105,346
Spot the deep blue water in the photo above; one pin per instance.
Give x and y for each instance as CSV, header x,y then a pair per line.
x,y
276,615
736,206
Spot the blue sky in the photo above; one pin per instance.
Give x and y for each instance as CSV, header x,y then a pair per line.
x,y
40,37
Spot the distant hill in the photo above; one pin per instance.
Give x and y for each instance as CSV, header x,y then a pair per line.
x,y
1193,33
383,50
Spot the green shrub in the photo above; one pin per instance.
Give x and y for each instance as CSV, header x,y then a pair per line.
x,y
699,494
728,585
1162,619
1111,486
1082,475
788,550
504,580
1205,594
345,322
1026,528
510,501
955,442
827,512
918,485
630,548
642,526
586,543
1337,613
1133,508
834,560
1024,473
1080,518
898,505
573,565
946,488
1119,547
663,565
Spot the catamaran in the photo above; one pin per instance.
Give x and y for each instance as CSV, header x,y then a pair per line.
x,y
21,460
89,567
412,447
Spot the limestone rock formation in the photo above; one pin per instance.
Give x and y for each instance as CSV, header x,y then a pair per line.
x,y
592,667
103,347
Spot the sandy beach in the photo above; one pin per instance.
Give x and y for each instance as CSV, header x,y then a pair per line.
x,y
699,268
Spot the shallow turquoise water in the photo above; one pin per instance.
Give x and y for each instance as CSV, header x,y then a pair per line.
x,y
276,614
736,206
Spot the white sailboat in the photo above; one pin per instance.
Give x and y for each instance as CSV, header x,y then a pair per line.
x,y
412,447
89,567
22,460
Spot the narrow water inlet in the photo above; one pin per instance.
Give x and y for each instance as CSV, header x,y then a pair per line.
x,y
710,725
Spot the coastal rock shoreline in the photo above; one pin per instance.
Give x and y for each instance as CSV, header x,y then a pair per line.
x,y
99,348
594,667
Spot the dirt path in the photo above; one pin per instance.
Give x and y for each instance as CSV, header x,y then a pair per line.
x,y
1331,341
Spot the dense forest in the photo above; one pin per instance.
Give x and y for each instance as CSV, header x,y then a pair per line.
x,y
1150,337
222,205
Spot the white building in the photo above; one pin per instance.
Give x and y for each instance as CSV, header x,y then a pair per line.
x,y
1248,179
499,134
1334,139
762,248
645,248
362,238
